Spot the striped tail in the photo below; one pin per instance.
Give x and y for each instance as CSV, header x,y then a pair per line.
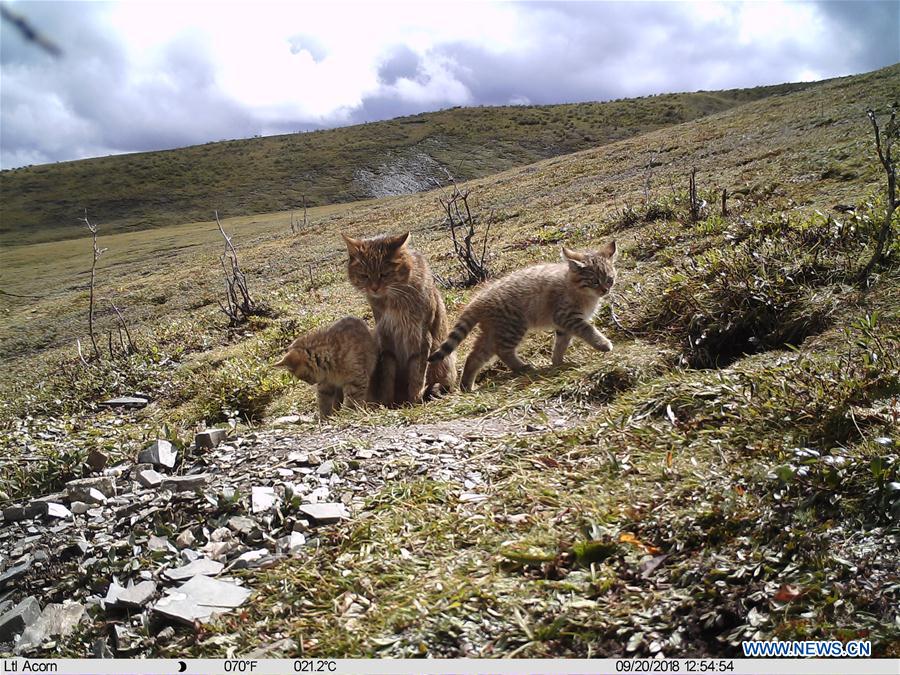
x,y
462,328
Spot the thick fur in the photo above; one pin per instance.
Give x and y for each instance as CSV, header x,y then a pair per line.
x,y
410,318
562,296
340,360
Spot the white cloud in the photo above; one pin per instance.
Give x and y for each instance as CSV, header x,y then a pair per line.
x,y
149,75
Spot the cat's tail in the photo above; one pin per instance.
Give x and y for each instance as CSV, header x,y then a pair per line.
x,y
463,327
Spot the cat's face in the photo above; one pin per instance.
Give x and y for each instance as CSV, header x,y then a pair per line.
x,y
301,363
377,265
592,270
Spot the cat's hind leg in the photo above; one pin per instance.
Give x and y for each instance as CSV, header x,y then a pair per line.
x,y
508,338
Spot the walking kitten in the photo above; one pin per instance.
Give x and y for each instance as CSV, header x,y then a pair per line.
x,y
562,295
410,318
339,360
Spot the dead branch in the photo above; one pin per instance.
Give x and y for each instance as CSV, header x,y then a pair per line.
x,y
92,228
240,305
883,147
131,349
463,233
692,194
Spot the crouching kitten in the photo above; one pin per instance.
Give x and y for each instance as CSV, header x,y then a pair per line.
x,y
339,360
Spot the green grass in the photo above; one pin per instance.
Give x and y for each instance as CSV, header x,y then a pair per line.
x,y
243,177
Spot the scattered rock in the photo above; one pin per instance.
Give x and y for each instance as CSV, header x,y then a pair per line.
x,y
15,621
276,650
91,490
262,499
137,595
160,453
242,524
325,514
14,572
158,543
186,539
149,478
79,508
325,468
201,566
100,649
55,510
165,635
250,558
126,402
209,439
55,620
185,483
292,543
14,513
200,598
286,420
97,460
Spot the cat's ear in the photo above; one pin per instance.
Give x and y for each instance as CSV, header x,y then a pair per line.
x,y
398,241
353,245
609,250
574,258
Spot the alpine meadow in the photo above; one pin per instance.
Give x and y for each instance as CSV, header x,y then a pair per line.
x,y
729,471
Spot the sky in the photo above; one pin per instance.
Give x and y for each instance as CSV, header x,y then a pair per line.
x,y
137,76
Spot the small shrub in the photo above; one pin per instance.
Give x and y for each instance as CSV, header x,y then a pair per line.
x,y
239,389
767,289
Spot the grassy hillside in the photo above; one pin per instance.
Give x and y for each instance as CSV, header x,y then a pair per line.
x,y
728,472
243,177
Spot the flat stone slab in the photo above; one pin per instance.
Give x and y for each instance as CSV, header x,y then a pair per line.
x,y
201,566
262,499
126,402
91,490
32,510
55,620
149,478
325,514
242,524
199,599
15,621
14,572
185,483
55,510
135,596
159,453
292,543
209,439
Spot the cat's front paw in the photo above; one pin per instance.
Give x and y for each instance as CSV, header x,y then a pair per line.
x,y
604,345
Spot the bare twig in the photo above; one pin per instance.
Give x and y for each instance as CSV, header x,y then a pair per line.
x,y
240,305
124,326
97,253
883,147
692,193
459,215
